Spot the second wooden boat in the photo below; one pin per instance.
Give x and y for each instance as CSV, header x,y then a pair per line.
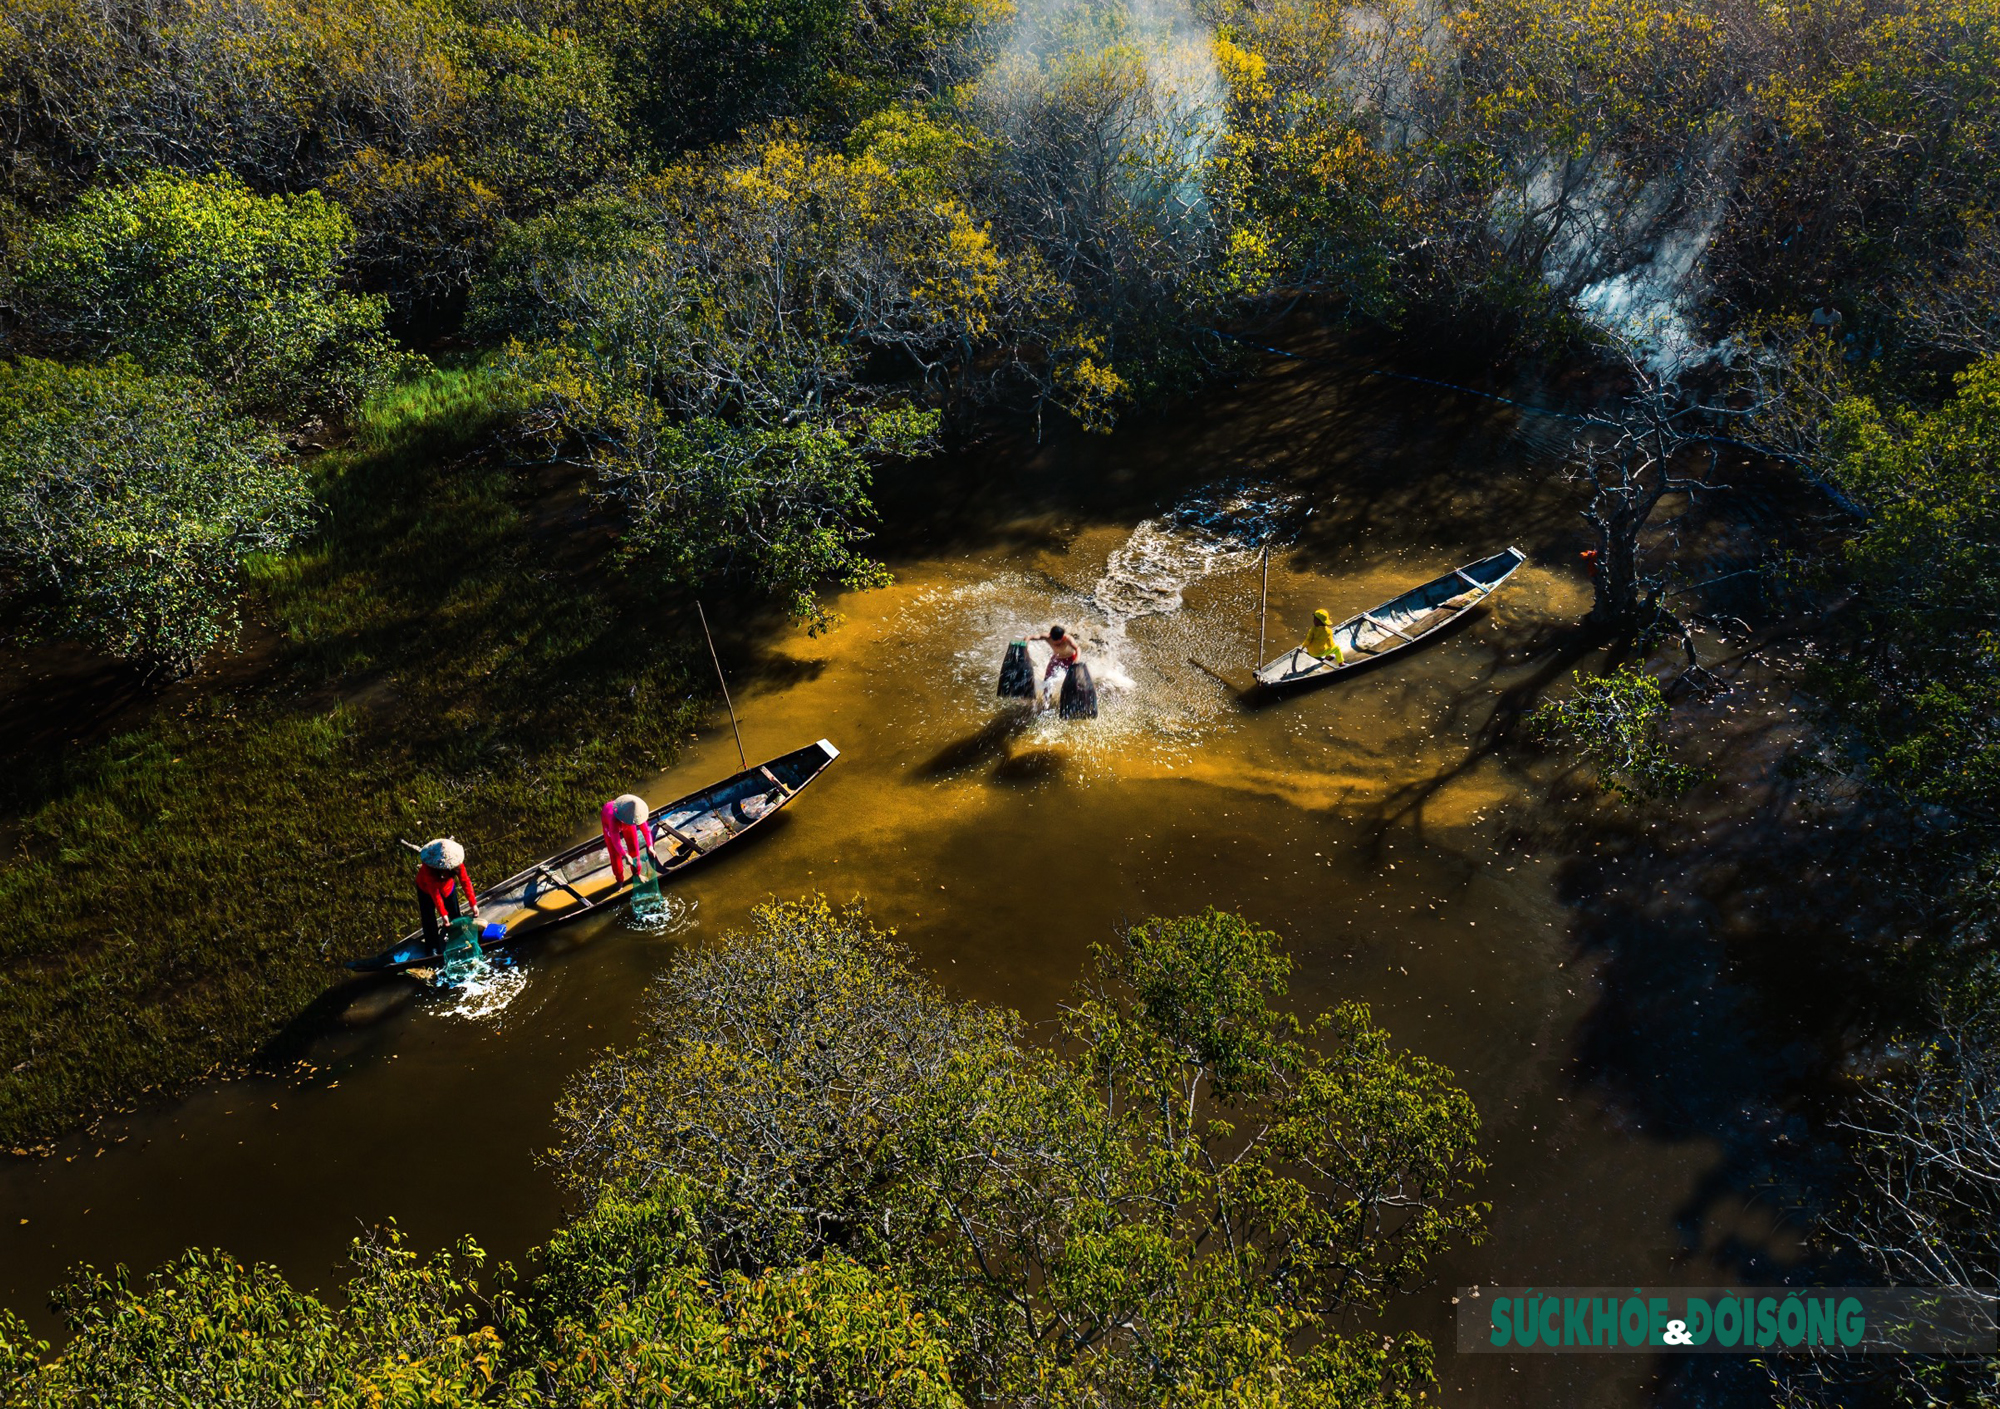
x,y
577,882
1396,625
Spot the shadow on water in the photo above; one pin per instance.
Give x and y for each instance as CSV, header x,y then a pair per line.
x,y
1728,1001
986,744
1042,765
1348,442
1743,952
1491,714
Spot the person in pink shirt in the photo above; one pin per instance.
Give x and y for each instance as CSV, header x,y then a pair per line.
x,y
627,830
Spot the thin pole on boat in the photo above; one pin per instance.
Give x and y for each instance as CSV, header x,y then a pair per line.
x,y
1263,605
741,756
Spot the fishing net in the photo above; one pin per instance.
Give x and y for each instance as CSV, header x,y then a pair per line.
x,y
1079,695
1017,673
461,944
645,880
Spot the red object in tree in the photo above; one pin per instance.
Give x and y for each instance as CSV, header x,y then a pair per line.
x,y
1589,556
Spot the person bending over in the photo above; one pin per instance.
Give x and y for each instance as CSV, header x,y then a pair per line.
x,y
441,880
628,833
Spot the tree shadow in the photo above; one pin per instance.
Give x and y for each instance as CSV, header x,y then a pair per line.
x,y
1741,955
1552,649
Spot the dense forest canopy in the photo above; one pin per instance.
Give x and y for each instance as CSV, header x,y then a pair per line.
x,y
718,261
736,254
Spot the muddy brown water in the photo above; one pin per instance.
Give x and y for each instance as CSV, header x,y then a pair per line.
x,y
1370,823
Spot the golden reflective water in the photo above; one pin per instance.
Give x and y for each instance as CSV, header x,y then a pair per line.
x,y
1371,823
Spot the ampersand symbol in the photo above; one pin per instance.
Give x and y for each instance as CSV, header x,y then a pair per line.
x,y
1677,1334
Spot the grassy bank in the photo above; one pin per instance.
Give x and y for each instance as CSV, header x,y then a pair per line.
x,y
450,658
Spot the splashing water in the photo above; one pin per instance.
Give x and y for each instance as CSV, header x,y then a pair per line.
x,y
1132,622
660,914
479,989
1220,532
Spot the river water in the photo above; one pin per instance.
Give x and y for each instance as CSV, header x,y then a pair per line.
x,y
1371,824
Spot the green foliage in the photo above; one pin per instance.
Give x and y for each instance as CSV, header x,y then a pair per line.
x,y
822,1184
1923,683
1163,1213
275,91
553,121
1619,722
481,664
1310,178
706,70
20,1355
825,1334
704,338
1198,989
1871,165
1103,136
129,505
772,1074
206,1330
199,276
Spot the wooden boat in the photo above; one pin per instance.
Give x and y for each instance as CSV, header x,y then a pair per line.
x,y
578,882
1396,625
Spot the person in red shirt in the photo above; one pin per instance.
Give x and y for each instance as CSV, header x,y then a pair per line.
x,y
441,880
627,830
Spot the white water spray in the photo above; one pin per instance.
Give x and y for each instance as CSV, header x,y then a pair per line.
x,y
1222,531
1133,623
480,989
660,914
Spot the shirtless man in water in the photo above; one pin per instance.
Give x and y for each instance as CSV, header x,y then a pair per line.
x,y
1064,651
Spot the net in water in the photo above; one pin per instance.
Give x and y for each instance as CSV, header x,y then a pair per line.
x,y
462,954
1079,694
461,940
1017,673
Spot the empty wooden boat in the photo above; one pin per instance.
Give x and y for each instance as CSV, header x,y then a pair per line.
x,y
1396,625
578,882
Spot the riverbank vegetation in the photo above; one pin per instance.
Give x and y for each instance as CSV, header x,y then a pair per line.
x,y
322,312
820,1181
188,887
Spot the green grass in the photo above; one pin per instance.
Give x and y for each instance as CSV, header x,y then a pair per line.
x,y
181,892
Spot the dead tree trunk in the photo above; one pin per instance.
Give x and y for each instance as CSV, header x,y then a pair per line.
x,y
1631,462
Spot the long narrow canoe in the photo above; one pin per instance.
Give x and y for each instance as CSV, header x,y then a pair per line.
x,y
1396,625
577,882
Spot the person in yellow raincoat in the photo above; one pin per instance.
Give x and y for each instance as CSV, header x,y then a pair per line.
x,y
1319,640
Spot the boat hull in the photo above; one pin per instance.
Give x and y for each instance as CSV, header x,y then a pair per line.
x,y
579,881
1399,624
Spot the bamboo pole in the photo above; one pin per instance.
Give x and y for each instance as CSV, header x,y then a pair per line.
x,y
741,756
1263,605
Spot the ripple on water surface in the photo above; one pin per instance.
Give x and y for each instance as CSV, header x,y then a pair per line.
x,y
478,990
